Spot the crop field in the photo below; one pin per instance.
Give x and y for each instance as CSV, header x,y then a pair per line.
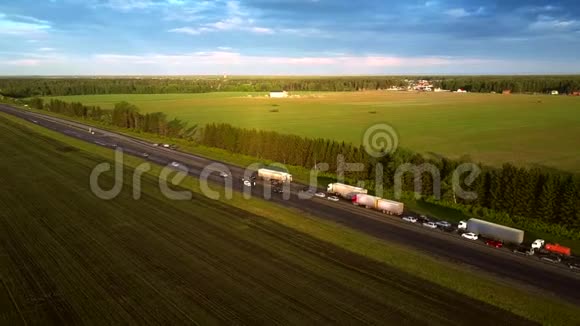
x,y
529,130
68,258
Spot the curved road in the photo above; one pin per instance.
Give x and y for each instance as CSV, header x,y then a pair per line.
x,y
525,271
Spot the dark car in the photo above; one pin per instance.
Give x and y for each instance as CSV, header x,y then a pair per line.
x,y
277,190
523,251
551,259
494,243
574,266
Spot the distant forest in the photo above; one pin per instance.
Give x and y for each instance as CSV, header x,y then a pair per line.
x,y
28,87
531,198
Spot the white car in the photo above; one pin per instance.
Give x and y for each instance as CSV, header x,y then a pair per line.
x,y
166,145
332,198
224,175
410,219
430,225
470,236
175,164
320,194
247,183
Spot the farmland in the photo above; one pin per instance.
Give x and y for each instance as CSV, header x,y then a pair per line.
x,y
529,130
73,258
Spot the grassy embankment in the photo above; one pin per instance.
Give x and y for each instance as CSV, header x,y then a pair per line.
x,y
68,257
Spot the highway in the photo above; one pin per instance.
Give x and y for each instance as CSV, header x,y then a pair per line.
x,y
529,272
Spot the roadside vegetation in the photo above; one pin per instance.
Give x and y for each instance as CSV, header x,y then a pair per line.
x,y
209,261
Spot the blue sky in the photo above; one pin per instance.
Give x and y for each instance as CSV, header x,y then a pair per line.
x,y
69,37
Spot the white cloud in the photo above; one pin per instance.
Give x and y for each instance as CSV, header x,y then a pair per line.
x,y
46,49
549,23
462,12
130,5
19,25
235,19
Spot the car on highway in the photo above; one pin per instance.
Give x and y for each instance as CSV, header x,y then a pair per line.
x,y
470,236
175,164
443,224
522,250
166,145
278,190
574,266
247,183
551,259
145,155
430,225
155,144
410,219
332,198
320,194
224,174
494,243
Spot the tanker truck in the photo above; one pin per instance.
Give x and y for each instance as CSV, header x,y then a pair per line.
x,y
344,190
377,203
268,174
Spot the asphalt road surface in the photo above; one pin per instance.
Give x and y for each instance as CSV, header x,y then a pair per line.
x,y
530,272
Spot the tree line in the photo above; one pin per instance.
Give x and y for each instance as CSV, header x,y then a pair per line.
x,y
30,87
549,197
516,84
547,200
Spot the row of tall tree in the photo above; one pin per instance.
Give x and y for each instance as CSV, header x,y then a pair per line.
x,y
123,115
516,84
549,197
30,87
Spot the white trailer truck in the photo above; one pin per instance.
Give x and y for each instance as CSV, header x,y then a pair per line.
x,y
495,231
380,204
344,190
267,174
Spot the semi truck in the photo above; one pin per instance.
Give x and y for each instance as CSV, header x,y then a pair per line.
x,y
553,248
495,231
344,190
377,203
268,174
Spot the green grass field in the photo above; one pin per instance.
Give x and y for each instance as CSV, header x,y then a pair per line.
x,y
528,130
67,257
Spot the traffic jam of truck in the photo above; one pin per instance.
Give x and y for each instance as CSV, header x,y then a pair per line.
x,y
490,234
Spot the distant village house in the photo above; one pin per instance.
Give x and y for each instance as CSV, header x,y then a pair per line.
x,y
555,93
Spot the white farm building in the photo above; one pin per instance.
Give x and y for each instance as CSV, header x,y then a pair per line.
x,y
278,94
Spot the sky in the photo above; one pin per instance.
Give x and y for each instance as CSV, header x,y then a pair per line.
x,y
288,37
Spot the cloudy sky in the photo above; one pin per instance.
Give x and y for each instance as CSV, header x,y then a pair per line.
x,y
68,37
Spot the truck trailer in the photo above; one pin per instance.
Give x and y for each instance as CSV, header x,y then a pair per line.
x,y
344,190
377,203
267,174
495,231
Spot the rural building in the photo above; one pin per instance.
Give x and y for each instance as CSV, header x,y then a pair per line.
x,y
461,90
576,93
506,92
278,94
555,93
